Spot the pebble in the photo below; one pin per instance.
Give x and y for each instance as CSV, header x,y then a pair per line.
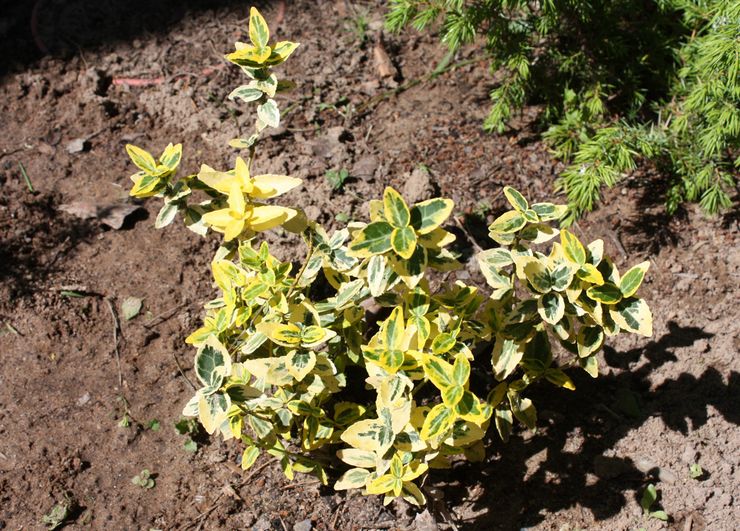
x,y
263,524
424,521
303,525
84,399
418,186
78,145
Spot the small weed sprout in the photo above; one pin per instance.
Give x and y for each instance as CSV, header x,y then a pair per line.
x,y
143,479
337,179
648,501
696,471
291,363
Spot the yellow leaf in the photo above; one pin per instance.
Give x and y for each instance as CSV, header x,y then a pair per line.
x,y
259,32
265,217
383,484
268,186
287,335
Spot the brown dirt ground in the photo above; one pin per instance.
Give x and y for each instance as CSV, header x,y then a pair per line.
x,y
660,406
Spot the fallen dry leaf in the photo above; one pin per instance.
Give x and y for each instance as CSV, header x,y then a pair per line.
x,y
383,62
112,215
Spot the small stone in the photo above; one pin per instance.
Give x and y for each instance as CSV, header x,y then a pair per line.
x,y
418,186
84,399
312,212
263,524
645,465
78,145
303,525
424,521
666,476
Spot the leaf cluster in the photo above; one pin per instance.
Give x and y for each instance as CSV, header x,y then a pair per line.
x,y
353,365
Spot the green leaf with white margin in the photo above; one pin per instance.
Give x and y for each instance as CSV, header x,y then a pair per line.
x,y
549,211
250,455
551,307
606,293
354,478
212,364
633,315
538,276
166,215
269,113
572,247
632,279
590,365
531,216
461,370
171,156
516,199
437,422
428,215
413,495
506,357
538,233
375,238
497,258
348,293
212,411
259,32
589,340
589,273
504,422
372,435
443,343
452,395
404,242
377,278
313,336
299,363
499,281
246,93
524,410
358,458
502,239
508,223
595,252
280,52
396,210
268,86
411,270
439,372
393,329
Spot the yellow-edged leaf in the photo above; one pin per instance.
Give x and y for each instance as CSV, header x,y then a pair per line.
x,y
259,32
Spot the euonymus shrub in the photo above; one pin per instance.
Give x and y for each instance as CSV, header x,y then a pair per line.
x,y
352,363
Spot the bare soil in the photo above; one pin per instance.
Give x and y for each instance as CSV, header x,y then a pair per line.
x,y
660,406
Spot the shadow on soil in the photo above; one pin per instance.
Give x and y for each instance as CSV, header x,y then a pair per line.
x,y
35,241
32,29
565,463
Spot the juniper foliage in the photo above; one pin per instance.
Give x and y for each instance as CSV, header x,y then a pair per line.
x,y
620,81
